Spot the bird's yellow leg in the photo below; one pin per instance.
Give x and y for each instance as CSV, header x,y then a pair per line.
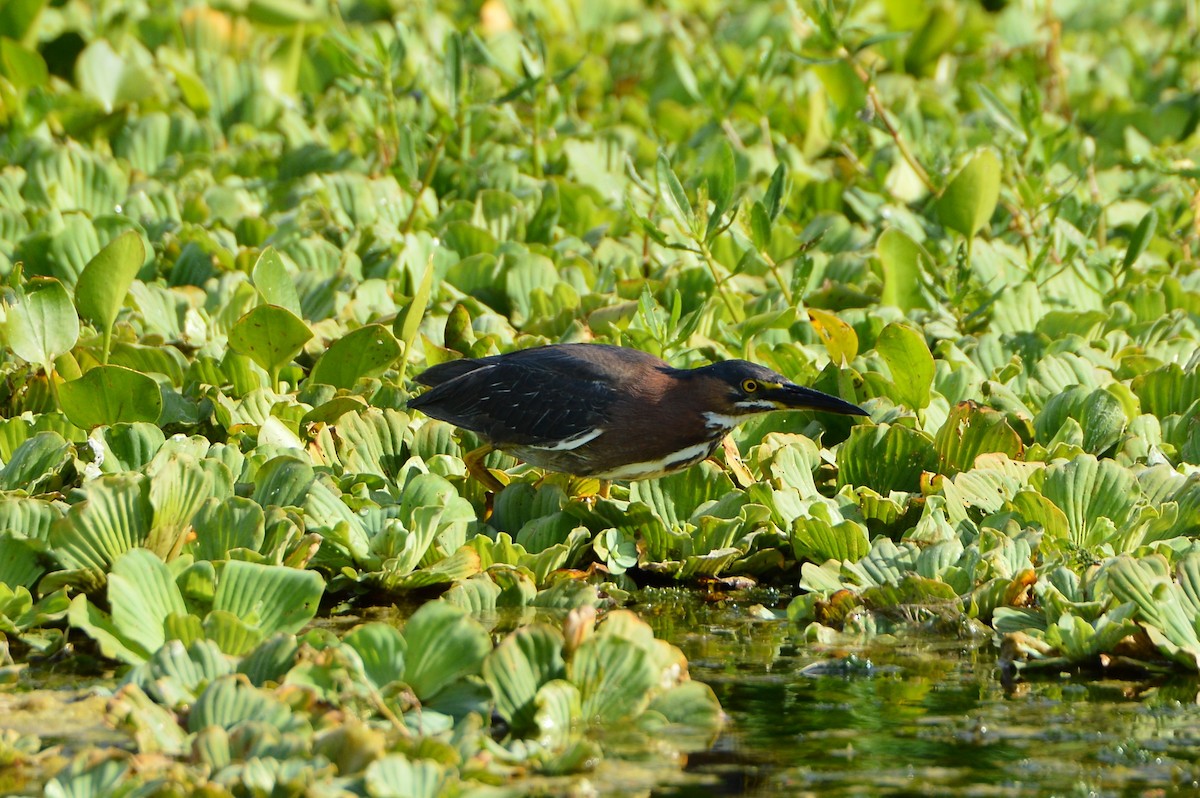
x,y
733,461
476,468
605,487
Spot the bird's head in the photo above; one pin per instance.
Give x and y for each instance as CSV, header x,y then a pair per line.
x,y
747,389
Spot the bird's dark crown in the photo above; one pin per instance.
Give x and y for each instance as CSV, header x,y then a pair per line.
x,y
736,372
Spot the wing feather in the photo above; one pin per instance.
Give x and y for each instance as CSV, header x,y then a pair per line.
x,y
520,403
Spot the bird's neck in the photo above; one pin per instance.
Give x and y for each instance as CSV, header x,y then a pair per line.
x,y
698,394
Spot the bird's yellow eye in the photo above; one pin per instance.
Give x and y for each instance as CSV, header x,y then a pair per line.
x,y
749,386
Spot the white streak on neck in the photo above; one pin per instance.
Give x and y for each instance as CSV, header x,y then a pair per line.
x,y
721,421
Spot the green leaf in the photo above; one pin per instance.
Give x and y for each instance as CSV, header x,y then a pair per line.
x,y
18,18
230,700
910,362
444,646
824,535
722,176
24,67
885,458
518,668
397,776
970,199
223,526
36,463
104,284
365,352
670,190
20,561
559,713
1097,496
1000,113
692,704
408,323
115,517
270,336
143,594
381,649
614,676
113,79
760,226
44,325
273,598
110,395
275,283
283,481
1141,238
905,266
777,191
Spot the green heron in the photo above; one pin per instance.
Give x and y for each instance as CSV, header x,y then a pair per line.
x,y
594,410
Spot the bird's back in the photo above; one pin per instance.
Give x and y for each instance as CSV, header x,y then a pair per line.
x,y
534,396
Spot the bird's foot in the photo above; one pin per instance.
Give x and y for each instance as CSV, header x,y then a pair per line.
x,y
477,469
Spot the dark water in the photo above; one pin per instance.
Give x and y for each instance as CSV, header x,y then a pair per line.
x,y
925,714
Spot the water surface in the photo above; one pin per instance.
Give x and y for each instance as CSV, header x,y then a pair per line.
x,y
924,714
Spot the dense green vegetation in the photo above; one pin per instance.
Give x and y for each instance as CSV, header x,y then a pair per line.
x,y
232,234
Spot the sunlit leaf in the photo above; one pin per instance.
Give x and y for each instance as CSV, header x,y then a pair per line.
x,y
970,198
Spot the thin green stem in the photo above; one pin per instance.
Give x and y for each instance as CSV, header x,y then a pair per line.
x,y
881,112
774,267
711,262
426,179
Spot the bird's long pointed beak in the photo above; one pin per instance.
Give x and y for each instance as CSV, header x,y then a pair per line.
x,y
798,397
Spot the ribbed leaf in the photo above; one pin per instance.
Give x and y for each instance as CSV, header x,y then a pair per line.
x,y
231,700
517,669
397,776
179,485
818,537
36,463
559,714
115,517
381,649
283,482
373,442
222,526
1088,490
444,645
274,598
21,561
970,431
614,677
142,594
885,458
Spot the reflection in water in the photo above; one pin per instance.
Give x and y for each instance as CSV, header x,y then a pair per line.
x,y
921,715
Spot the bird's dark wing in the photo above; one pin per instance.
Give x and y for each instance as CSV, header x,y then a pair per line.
x,y
520,403
444,372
